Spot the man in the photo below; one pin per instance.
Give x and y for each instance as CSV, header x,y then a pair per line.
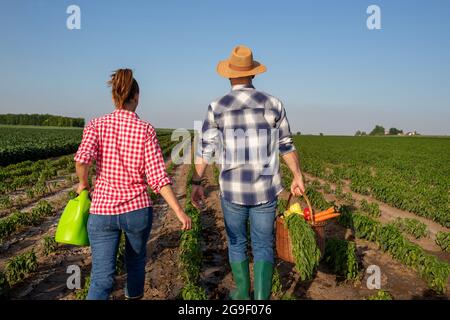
x,y
241,127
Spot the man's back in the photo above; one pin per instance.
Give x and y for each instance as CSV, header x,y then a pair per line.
x,y
251,128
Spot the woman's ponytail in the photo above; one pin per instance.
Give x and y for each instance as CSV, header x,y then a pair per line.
x,y
123,86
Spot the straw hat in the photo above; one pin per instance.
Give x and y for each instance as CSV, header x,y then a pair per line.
x,y
240,64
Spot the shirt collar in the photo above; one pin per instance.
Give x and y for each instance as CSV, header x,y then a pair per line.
x,y
126,113
242,87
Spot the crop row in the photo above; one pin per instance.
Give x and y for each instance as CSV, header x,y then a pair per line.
x,y
18,220
190,258
341,256
391,240
34,174
443,240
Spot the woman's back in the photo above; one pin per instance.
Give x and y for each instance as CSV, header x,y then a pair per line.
x,y
127,152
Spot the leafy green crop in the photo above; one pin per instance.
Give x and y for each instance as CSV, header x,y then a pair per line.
x,y
391,240
372,209
18,267
193,292
380,295
317,199
412,227
20,144
83,292
341,256
190,258
276,282
49,245
443,240
18,219
304,246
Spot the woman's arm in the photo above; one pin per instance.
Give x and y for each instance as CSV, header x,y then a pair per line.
x,y
87,151
82,170
158,180
169,196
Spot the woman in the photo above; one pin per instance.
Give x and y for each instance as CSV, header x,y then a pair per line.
x,y
128,158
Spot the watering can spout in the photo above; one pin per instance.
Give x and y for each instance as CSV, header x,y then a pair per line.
x,y
72,226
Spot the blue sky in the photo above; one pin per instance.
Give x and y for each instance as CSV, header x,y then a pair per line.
x,y
333,74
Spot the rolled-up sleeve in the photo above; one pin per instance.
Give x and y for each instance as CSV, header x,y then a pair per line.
x,y
155,168
285,141
88,148
210,137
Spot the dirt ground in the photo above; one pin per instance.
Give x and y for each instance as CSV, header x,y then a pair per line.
x,y
163,280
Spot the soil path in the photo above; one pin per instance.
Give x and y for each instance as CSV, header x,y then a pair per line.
x,y
163,280
216,274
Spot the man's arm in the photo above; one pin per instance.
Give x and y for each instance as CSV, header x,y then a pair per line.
x,y
289,153
292,161
205,150
198,194
200,168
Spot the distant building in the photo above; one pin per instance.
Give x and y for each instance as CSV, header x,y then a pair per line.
x,y
411,133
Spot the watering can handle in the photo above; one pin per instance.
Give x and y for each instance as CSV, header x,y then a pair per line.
x,y
84,194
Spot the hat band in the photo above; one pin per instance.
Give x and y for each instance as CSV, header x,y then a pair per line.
x,y
237,68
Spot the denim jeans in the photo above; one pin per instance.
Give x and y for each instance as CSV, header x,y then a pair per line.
x,y
262,220
104,235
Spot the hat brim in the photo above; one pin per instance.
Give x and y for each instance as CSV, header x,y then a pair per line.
x,y
225,71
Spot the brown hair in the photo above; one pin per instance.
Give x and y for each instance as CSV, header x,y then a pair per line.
x,y
123,86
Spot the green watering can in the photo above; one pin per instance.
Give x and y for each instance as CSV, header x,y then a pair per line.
x,y
72,226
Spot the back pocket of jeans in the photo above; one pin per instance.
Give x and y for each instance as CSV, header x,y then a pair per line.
x,y
137,221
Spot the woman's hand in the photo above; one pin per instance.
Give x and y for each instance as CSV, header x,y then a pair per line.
x,y
297,186
169,196
184,219
82,186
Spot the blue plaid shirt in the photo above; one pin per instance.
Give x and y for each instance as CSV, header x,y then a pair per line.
x,y
245,132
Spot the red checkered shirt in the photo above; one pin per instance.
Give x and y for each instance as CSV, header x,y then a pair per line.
x,y
128,158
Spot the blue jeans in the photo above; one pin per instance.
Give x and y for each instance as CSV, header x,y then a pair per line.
x,y
104,235
262,220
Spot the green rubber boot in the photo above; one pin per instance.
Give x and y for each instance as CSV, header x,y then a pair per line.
x,y
241,276
263,280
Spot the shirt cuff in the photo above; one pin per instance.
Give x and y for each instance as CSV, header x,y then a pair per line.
x,y
286,148
161,183
82,158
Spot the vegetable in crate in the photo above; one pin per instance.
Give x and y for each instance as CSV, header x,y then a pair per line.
x,y
293,209
304,246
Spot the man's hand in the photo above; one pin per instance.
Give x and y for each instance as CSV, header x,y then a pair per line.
x,y
297,186
82,186
197,196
